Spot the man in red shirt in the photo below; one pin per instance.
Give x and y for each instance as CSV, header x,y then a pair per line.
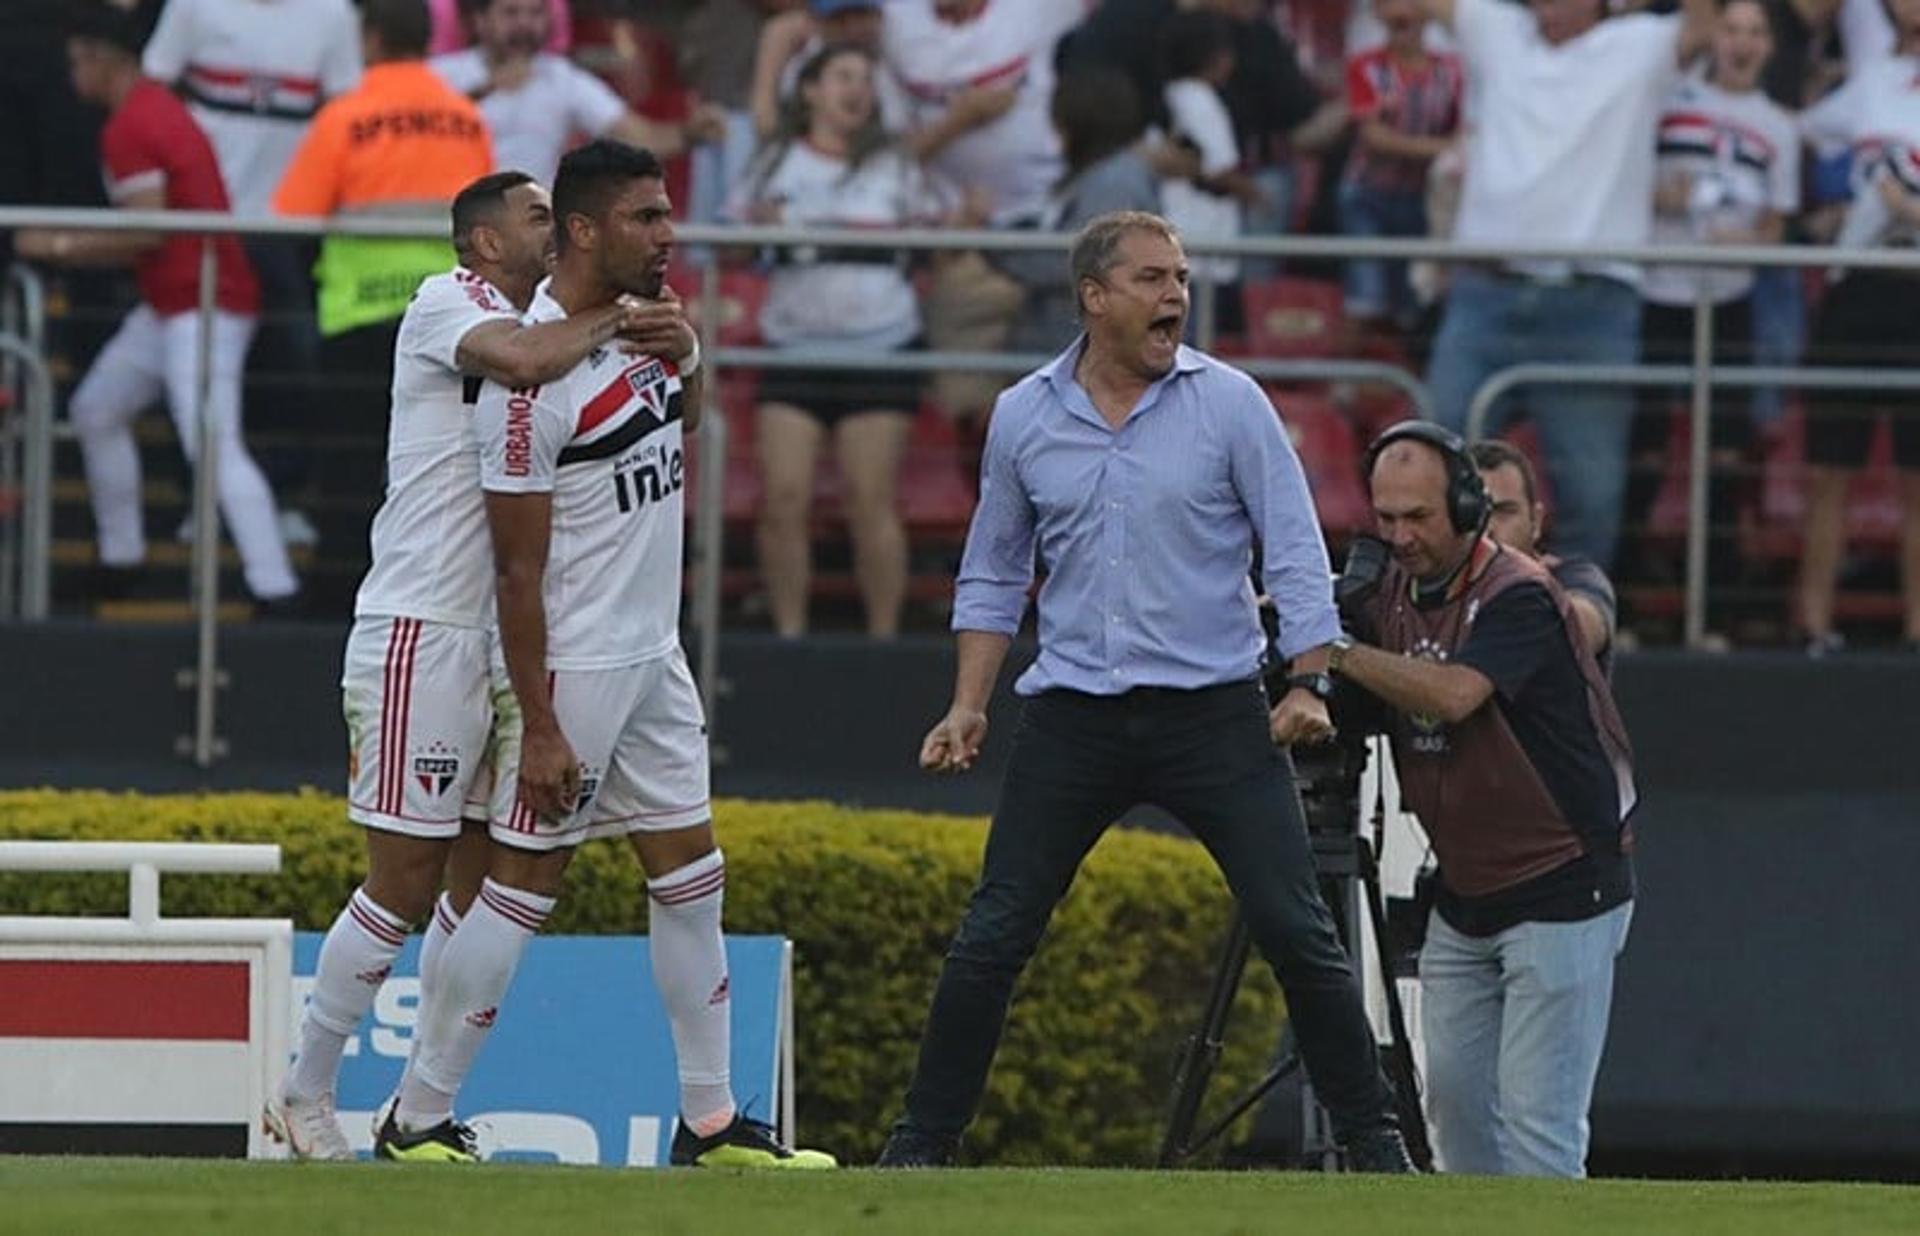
x,y
156,158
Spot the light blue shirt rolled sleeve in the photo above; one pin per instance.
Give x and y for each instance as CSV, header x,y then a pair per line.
x,y
1144,536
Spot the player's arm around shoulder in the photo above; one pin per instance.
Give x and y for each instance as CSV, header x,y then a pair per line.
x,y
514,353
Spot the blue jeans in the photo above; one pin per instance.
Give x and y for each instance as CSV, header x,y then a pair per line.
x,y
1079,762
1494,321
1273,217
1779,333
1378,289
1514,1025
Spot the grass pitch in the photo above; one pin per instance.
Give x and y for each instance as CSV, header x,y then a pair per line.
x,y
154,1197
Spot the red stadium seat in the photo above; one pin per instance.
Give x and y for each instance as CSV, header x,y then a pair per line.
x,y
1873,500
935,499
1330,455
1290,318
742,292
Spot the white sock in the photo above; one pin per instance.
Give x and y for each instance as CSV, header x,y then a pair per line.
x,y
354,961
471,979
690,968
433,942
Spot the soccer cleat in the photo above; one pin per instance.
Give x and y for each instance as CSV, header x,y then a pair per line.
x,y
909,1148
744,1143
446,1142
308,1128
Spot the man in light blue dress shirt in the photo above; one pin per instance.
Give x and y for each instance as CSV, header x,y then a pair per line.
x,y
1141,474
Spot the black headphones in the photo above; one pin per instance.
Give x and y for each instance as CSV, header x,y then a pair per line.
x,y
1467,505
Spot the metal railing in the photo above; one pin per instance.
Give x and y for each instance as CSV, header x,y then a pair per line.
x,y
708,515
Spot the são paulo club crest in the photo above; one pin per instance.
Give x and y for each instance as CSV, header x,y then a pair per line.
x,y
589,786
436,768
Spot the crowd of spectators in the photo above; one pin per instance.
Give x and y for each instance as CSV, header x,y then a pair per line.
x,y
1583,122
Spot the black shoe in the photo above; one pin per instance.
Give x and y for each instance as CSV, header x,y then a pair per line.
x,y
745,1143
289,608
1379,1149
446,1142
909,1148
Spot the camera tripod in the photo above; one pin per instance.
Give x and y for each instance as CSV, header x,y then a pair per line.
x,y
1348,866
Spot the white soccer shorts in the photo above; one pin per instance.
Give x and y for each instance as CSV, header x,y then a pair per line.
x,y
418,714
640,736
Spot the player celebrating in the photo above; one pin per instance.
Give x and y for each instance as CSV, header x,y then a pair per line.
x,y
583,480
415,682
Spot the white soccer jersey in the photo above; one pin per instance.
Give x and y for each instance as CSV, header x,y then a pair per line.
x,y
1742,155
811,297
605,441
431,554
1561,147
254,72
1016,158
1877,113
536,122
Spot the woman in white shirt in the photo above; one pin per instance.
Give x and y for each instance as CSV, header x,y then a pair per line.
x,y
834,166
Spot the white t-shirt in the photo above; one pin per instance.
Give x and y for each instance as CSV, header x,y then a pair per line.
x,y
865,303
254,72
1199,114
1015,158
536,123
605,442
1742,152
1876,113
431,556
1562,146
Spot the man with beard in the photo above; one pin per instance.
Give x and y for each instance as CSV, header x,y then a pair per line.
x,y
1143,472
415,683
603,734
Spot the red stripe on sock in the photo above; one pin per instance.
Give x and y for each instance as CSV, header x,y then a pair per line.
x,y
515,912
374,925
693,890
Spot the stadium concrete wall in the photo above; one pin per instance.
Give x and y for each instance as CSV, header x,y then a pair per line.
x,y
1766,1007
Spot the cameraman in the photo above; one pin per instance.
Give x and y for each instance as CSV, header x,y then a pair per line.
x,y
1510,750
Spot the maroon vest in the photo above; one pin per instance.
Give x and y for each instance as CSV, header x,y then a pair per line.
x,y
1493,822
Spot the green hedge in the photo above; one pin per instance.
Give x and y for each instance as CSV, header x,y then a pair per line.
x,y
869,898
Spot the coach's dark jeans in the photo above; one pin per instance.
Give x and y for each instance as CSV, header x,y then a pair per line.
x,y
1079,762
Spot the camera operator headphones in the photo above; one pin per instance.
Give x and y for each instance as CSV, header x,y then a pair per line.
x,y
1468,507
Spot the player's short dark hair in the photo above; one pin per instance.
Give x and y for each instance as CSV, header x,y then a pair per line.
x,y
593,175
481,202
1491,453
96,21
404,26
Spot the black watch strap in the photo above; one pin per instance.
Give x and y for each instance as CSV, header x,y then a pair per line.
x,y
1320,685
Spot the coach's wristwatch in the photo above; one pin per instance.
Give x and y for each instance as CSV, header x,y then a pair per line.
x,y
1337,650
1321,685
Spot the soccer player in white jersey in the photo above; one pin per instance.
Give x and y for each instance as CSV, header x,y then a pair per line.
x,y
415,682
583,480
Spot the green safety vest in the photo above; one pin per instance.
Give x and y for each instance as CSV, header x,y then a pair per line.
x,y
366,280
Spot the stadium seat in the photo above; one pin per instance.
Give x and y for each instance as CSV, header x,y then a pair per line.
x,y
742,292
1873,500
935,499
1330,455
1294,319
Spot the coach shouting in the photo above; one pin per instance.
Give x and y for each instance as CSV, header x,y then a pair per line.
x,y
1143,473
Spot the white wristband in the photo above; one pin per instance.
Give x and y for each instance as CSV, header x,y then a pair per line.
x,y
690,363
